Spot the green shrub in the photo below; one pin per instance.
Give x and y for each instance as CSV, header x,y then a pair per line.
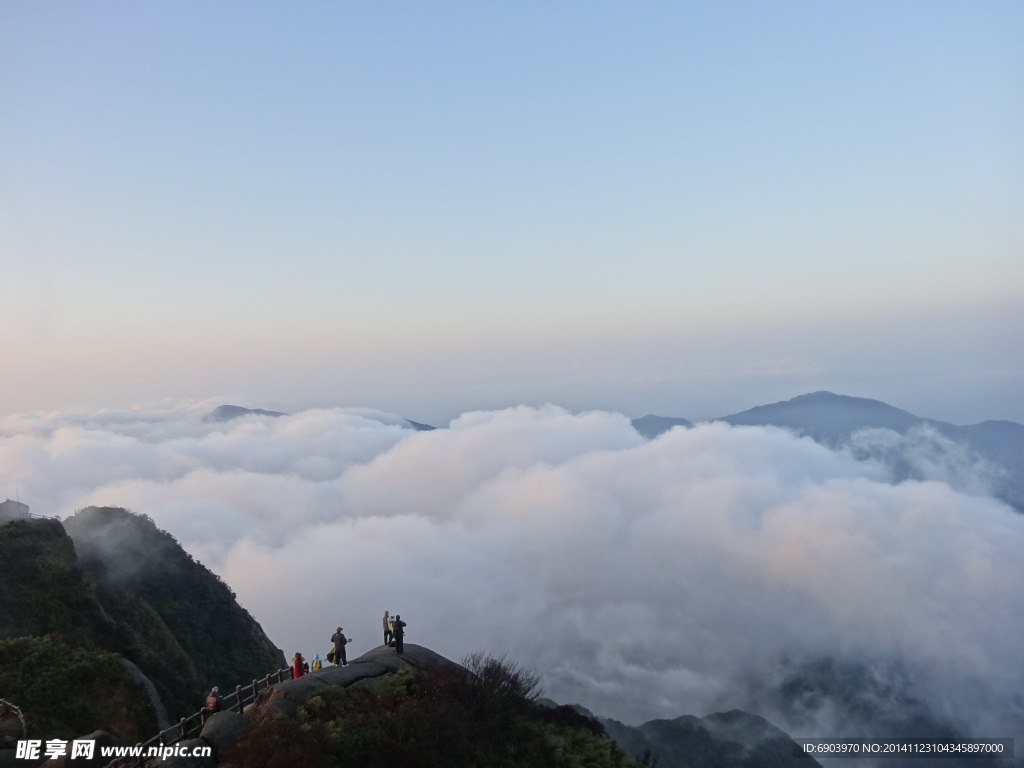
x,y
65,690
448,717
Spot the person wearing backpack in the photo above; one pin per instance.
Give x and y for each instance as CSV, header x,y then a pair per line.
x,y
316,662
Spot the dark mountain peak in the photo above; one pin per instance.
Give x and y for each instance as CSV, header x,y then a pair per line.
x,y
420,427
650,426
746,728
826,416
735,739
825,399
823,395
229,412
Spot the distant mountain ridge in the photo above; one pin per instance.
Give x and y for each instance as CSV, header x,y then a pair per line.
x,y
833,420
230,412
734,738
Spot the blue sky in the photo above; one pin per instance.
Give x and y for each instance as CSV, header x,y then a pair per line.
x,y
679,208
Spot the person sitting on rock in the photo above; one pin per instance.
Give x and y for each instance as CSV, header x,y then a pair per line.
x,y
299,665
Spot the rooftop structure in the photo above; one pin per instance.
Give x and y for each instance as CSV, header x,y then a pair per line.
x,y
13,510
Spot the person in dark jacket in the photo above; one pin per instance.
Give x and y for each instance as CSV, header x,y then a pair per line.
x,y
340,641
398,627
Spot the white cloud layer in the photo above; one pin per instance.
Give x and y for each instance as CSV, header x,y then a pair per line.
x,y
642,579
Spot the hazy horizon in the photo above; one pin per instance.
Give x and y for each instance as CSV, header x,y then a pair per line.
x,y
682,210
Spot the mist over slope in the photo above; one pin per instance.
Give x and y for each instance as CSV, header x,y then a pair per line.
x,y
104,587
985,457
708,569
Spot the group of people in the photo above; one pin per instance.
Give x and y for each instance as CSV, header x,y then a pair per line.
x,y
394,630
394,634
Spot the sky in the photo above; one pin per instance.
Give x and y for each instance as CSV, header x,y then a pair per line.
x,y
677,208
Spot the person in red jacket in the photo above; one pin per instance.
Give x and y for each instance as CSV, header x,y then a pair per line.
x,y
298,665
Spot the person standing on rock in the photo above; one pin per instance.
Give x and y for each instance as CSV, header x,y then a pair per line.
x,y
398,627
340,641
388,634
298,665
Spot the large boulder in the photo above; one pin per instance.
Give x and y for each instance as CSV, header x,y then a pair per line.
x,y
223,730
100,739
12,725
286,697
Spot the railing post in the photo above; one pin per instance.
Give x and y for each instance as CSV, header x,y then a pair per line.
x,y
238,697
181,727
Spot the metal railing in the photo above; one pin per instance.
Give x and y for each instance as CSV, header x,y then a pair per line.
x,y
6,709
191,726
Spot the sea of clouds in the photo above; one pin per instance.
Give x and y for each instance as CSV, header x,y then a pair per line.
x,y
685,575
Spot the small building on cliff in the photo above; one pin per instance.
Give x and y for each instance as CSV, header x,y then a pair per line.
x,y
13,510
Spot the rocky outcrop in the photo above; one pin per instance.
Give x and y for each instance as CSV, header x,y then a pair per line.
x,y
225,729
285,698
